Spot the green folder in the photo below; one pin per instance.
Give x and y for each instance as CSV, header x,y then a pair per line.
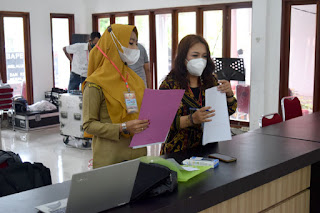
x,y
183,175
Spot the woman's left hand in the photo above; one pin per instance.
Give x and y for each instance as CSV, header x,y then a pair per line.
x,y
225,87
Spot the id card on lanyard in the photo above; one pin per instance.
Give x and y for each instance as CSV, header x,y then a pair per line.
x,y
131,102
130,96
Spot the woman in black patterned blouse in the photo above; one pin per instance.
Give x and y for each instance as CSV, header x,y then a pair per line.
x,y
193,72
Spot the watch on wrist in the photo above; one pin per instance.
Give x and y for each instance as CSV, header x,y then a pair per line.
x,y
124,128
191,119
230,96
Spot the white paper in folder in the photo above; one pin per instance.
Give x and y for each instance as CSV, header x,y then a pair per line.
x,y
219,128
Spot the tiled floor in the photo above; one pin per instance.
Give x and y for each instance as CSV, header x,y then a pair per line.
x,y
46,146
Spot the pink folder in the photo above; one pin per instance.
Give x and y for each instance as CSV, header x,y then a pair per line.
x,y
160,107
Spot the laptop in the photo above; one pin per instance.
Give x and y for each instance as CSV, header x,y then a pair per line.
x,y
97,190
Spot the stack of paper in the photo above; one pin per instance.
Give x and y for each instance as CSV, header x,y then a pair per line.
x,y
219,128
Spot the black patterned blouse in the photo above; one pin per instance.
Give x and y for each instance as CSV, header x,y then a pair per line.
x,y
180,139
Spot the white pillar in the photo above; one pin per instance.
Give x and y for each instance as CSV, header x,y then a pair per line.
x,y
266,34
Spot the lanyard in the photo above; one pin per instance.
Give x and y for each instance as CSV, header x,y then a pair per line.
x,y
87,56
199,98
124,79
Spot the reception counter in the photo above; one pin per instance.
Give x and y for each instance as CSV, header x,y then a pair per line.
x,y
271,174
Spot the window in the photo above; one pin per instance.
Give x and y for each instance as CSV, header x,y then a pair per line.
x,y
15,53
104,23
61,29
302,54
100,22
122,20
142,24
187,24
241,37
226,27
241,48
212,31
299,65
164,44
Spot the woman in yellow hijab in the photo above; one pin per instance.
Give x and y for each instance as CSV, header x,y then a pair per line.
x,y
105,112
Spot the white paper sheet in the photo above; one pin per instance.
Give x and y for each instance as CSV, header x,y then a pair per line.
x,y
190,169
184,167
219,128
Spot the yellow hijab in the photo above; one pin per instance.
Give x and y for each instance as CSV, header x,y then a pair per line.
x,y
105,75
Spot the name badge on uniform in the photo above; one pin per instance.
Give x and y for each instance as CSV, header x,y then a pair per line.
x,y
131,102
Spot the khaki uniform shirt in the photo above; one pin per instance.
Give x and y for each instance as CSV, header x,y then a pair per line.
x,y
108,145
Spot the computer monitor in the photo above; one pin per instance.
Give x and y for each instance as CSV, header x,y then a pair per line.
x,y
80,38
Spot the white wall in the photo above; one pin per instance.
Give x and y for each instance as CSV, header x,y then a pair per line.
x,y
266,29
100,6
41,34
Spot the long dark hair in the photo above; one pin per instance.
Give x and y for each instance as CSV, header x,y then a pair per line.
x,y
179,70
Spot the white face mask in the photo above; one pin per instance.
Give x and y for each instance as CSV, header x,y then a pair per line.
x,y
196,66
128,56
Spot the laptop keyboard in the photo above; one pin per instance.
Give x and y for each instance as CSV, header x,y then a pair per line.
x,y
61,210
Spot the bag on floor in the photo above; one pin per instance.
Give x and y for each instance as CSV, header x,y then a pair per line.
x,y
20,177
54,96
8,158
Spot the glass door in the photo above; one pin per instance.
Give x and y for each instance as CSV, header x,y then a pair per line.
x,y
300,50
164,46
187,24
142,24
15,54
212,31
302,54
61,64
240,47
62,27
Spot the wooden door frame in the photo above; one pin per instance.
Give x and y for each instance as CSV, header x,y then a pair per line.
x,y
70,18
27,50
285,52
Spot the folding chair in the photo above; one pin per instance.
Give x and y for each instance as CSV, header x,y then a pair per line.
x,y
291,107
269,119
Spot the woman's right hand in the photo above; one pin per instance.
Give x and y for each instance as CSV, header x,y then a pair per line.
x,y
202,115
137,126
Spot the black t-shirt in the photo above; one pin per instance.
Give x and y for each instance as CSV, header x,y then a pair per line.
x,y
196,92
